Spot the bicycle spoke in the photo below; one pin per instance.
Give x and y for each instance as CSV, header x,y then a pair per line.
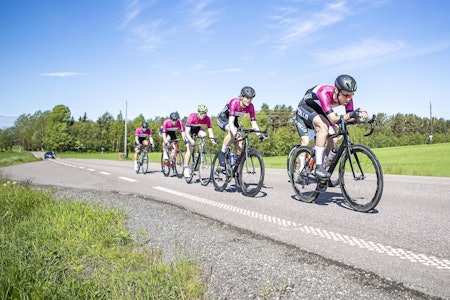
x,y
251,173
219,174
204,167
302,177
361,179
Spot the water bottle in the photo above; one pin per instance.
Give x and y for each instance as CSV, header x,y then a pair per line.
x,y
233,158
330,157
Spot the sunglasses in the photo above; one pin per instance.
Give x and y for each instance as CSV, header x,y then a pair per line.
x,y
346,95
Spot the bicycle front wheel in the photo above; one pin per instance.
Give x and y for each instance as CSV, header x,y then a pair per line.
x,y
220,175
361,178
165,165
144,164
251,173
179,164
204,165
302,176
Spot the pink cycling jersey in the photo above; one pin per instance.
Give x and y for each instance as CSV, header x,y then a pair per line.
x,y
323,95
194,121
167,126
143,134
235,109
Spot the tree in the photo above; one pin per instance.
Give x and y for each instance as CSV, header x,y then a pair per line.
x,y
57,135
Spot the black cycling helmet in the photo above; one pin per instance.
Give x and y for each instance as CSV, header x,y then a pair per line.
x,y
345,83
144,125
248,92
174,116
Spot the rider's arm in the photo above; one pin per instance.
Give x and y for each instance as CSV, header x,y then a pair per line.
x,y
233,129
188,137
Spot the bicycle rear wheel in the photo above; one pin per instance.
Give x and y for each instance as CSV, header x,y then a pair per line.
x,y
302,176
179,164
251,173
289,157
165,166
192,169
204,165
361,179
220,175
144,165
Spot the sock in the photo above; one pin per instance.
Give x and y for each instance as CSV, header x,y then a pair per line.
x,y
319,155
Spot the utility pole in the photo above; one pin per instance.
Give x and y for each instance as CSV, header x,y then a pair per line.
x,y
125,151
431,125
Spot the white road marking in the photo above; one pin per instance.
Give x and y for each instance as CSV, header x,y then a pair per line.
x,y
104,173
127,179
438,263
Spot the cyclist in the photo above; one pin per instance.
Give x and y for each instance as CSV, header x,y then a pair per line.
x,y
315,111
228,120
168,131
194,124
142,136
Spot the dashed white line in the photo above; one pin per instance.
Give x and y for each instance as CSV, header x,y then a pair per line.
x,y
439,263
127,179
104,173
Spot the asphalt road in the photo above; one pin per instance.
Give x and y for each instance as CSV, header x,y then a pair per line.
x,y
406,239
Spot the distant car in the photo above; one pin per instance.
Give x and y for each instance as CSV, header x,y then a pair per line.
x,y
49,154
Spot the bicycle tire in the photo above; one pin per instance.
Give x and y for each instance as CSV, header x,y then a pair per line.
x,y
289,157
363,191
165,167
251,173
192,163
303,179
144,164
204,166
220,176
178,164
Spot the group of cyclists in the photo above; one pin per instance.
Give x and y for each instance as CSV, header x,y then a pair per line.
x,y
314,112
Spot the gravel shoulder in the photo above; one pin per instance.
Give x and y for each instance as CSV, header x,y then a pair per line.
x,y
238,264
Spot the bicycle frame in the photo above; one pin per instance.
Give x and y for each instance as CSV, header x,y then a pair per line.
x,y
200,158
347,143
245,147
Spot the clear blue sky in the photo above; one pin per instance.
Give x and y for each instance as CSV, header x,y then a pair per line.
x,y
163,55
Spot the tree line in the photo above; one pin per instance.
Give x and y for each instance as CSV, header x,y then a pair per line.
x,y
57,130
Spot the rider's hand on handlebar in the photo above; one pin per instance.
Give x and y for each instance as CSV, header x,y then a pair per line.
x,y
237,136
263,137
214,141
358,114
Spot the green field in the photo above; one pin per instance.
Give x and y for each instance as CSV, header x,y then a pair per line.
x,y
421,160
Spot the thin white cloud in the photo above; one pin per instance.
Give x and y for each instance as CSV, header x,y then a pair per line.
x,y
229,70
201,17
60,74
366,50
294,25
132,11
142,34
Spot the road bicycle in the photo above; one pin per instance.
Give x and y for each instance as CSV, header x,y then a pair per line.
x,y
248,170
200,162
175,160
142,162
360,173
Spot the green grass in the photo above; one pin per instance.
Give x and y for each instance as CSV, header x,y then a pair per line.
x,y
13,158
420,160
54,249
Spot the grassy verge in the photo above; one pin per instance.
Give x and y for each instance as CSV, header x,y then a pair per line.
x,y
53,249
421,160
13,158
